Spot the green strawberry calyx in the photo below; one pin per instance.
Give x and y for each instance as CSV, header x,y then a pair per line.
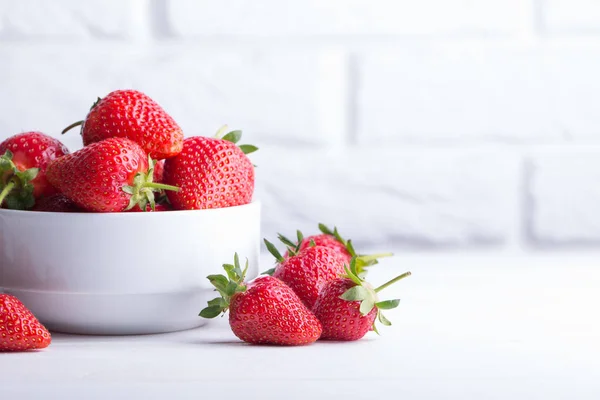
x,y
16,187
227,286
364,293
234,137
362,260
292,249
80,123
143,188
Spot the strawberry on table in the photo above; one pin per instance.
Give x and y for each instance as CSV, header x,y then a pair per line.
x,y
348,306
307,271
132,114
19,329
23,161
263,311
109,176
211,172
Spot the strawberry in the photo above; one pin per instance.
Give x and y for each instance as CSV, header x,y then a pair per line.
x,y
211,172
334,240
133,115
263,311
348,306
307,271
108,176
56,203
159,170
23,168
19,329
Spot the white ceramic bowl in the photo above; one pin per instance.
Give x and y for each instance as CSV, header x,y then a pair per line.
x,y
122,273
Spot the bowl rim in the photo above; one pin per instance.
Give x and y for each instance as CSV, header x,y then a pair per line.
x,y
127,214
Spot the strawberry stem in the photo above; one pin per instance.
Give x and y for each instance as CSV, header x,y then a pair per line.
x,y
374,257
160,186
6,191
396,279
73,125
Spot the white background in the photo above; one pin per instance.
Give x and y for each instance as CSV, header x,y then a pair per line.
x,y
431,124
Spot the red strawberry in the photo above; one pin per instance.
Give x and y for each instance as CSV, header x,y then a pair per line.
x,y
19,329
263,311
107,176
23,162
307,271
211,172
348,306
335,241
159,170
133,115
56,203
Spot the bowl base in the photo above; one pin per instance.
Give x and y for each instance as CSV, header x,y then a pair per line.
x,y
116,314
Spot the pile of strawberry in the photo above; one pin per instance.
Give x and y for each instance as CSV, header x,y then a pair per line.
x,y
316,291
135,158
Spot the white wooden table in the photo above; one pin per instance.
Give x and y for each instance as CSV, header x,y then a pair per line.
x,y
477,327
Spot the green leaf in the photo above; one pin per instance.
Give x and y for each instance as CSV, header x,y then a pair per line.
x,y
28,175
247,148
337,236
273,250
244,273
218,281
366,306
300,237
270,271
352,276
353,266
312,243
375,328
285,240
236,263
388,304
229,269
383,319
355,293
211,312
221,131
323,228
217,301
350,248
8,155
231,288
233,136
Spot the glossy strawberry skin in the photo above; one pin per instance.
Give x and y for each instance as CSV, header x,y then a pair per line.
x,y
132,114
327,241
56,203
341,319
19,329
159,170
35,150
269,312
309,270
211,173
94,176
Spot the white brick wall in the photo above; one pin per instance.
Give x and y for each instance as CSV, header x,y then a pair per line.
x,y
411,124
343,17
563,196
65,19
